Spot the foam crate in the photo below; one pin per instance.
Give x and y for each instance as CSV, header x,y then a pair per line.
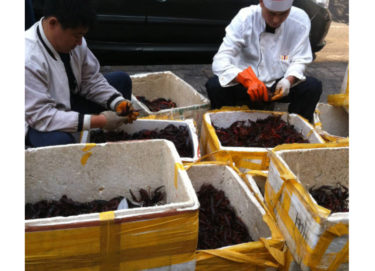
x,y
190,103
247,208
248,158
148,124
162,236
315,237
331,122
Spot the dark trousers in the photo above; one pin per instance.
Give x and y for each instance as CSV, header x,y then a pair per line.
x,y
302,98
119,80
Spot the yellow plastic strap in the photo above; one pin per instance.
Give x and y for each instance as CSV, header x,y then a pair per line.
x,y
309,133
158,117
342,143
212,136
331,138
318,124
85,157
224,156
107,216
284,172
278,255
230,108
241,160
177,166
240,257
339,229
112,245
88,147
315,257
257,173
338,99
109,242
341,257
87,152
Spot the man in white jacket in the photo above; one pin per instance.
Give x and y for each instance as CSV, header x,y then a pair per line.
x,y
64,90
263,59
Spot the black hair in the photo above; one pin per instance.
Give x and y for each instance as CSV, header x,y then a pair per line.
x,y
71,13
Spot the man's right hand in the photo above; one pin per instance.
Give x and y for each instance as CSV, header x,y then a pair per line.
x,y
113,121
255,88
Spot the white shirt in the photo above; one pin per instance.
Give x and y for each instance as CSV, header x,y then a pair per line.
x,y
270,55
47,93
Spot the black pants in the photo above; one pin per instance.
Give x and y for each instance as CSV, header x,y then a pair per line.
x,y
302,98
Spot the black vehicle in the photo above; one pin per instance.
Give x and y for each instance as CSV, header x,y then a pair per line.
x,y
131,32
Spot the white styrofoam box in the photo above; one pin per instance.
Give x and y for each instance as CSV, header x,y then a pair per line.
x,y
190,103
86,172
334,120
110,170
225,119
257,184
240,197
151,124
311,167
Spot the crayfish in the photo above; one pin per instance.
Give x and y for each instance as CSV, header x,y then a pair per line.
x,y
147,198
268,133
335,198
157,104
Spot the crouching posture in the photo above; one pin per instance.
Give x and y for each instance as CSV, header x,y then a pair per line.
x,y
64,90
263,58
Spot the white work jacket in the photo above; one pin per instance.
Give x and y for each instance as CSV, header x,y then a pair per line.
x,y
270,55
47,92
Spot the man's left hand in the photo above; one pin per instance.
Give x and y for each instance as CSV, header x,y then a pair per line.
x,y
282,89
125,108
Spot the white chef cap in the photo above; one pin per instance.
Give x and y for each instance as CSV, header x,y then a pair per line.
x,y
278,5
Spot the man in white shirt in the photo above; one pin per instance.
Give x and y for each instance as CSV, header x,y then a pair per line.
x,y
64,90
263,58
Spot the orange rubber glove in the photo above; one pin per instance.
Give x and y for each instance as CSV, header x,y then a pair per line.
x,y
255,88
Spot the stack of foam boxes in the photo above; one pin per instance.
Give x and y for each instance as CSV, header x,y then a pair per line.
x,y
267,187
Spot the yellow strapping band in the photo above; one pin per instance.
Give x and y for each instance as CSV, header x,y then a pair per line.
x,y
85,157
111,245
88,147
318,124
309,133
257,173
339,229
212,136
315,257
341,257
105,216
338,99
87,154
341,143
240,257
109,242
278,255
